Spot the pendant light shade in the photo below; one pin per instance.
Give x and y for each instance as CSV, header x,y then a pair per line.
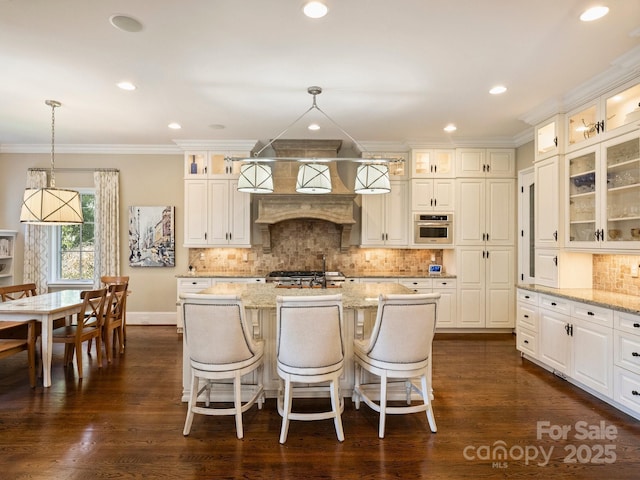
x,y
255,178
46,206
372,178
51,205
313,178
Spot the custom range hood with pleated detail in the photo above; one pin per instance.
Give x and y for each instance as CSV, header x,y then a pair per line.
x,y
286,204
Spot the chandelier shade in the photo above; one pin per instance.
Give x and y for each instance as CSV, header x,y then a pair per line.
x,y
313,178
46,206
51,205
372,179
255,178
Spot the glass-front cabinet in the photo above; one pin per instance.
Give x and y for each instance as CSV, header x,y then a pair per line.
x,y
604,195
429,163
610,115
397,169
548,138
203,164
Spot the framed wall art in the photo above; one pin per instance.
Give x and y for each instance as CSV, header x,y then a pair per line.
x,y
152,236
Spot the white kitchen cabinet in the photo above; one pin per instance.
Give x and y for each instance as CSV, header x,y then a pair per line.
x,y
548,203
432,163
213,164
549,138
485,211
216,214
446,287
189,285
7,252
603,195
398,169
560,268
385,218
485,163
485,287
527,322
576,340
615,113
432,195
627,360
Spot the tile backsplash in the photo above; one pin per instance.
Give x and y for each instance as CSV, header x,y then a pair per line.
x,y
613,273
300,244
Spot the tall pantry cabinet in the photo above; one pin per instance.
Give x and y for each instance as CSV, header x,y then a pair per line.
x,y
485,238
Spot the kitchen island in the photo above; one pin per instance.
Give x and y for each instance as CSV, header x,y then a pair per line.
x,y
359,301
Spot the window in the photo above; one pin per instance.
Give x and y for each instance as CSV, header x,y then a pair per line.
x,y
73,246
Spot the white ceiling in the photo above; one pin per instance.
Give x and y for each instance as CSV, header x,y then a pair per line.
x,y
393,72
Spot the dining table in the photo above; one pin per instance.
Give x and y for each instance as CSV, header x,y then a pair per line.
x,y
45,309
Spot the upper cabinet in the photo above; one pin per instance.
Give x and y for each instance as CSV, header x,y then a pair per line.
x,y
603,195
7,249
549,138
609,115
481,162
206,164
385,218
397,170
432,163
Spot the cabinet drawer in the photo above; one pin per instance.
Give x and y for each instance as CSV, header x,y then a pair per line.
x,y
527,342
627,322
417,283
527,316
526,296
627,388
193,284
554,303
626,349
443,283
599,315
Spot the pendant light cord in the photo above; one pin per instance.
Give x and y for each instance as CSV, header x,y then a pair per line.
x,y
53,104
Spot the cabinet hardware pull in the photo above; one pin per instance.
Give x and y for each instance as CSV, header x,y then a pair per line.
x,y
435,169
555,141
555,260
590,313
553,304
555,235
634,392
636,325
635,354
527,297
526,341
566,328
526,316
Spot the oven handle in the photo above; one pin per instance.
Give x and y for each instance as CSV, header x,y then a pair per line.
x,y
432,224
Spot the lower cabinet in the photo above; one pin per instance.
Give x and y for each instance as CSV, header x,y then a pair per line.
x,y
446,287
596,348
189,285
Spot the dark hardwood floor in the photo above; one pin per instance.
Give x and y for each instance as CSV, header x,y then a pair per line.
x,y
125,421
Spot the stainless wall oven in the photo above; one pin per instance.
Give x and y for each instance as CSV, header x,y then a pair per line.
x,y
433,228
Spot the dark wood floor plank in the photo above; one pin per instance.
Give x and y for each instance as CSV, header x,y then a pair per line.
x,y
125,421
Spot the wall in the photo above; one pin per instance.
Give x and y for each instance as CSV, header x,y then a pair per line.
x,y
144,180
525,156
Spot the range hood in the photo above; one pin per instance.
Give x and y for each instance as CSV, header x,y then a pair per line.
x,y
286,204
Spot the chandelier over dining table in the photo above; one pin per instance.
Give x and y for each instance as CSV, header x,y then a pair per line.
x,y
314,176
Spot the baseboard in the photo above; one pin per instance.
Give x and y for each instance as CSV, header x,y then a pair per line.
x,y
151,318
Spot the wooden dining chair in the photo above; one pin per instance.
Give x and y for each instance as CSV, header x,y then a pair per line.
x,y
19,336
112,328
88,325
15,292
108,280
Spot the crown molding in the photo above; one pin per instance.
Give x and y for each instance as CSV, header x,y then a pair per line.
x,y
523,137
99,149
219,145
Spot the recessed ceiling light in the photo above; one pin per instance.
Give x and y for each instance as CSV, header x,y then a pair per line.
x,y
594,13
174,126
315,9
126,86
498,89
450,128
125,23
314,126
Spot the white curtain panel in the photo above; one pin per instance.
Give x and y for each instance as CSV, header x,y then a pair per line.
x,y
36,242
107,224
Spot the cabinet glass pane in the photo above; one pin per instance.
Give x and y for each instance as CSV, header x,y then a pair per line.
x,y
623,108
421,163
196,164
221,166
582,198
547,139
582,125
623,191
396,169
444,162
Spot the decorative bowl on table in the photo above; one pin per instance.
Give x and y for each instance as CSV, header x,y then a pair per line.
x,y
635,233
614,234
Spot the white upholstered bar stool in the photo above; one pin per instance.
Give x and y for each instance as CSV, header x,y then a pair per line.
x,y
309,350
399,350
220,347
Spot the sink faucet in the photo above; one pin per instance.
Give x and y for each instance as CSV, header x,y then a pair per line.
x,y
324,271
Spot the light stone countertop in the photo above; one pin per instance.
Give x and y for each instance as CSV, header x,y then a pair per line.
x,y
368,275
358,296
599,298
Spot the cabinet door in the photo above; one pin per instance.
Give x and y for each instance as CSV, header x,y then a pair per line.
x,y
397,214
547,198
422,195
547,267
471,287
470,162
218,212
444,194
548,138
582,205
554,347
500,211
447,308
239,216
373,210
500,163
592,356
500,287
582,125
195,215
470,211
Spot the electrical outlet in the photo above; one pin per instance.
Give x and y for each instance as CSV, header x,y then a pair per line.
x,y
367,257
201,255
634,270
